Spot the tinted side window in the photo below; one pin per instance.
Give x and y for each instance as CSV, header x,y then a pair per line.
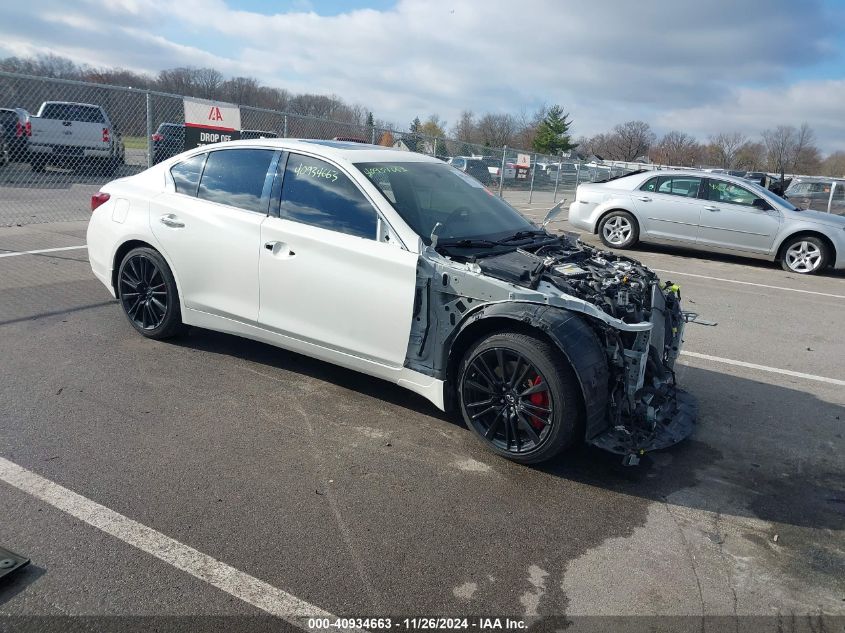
x,y
316,193
650,185
680,186
186,174
721,191
236,177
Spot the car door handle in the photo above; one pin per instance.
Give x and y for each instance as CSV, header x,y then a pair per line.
x,y
172,221
644,198
712,208
279,249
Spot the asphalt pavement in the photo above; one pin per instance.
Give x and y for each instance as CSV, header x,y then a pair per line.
x,y
361,499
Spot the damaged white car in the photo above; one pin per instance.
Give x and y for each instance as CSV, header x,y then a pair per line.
x,y
398,265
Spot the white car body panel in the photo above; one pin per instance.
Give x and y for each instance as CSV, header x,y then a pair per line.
x,y
376,290
235,291
218,267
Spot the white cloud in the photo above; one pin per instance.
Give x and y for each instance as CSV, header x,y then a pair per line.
x,y
682,64
752,110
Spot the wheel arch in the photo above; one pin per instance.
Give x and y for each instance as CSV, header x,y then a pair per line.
x,y
607,212
806,233
563,329
127,246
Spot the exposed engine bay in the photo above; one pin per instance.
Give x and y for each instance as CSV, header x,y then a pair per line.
x,y
635,319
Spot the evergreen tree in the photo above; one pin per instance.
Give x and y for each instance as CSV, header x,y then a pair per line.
x,y
553,133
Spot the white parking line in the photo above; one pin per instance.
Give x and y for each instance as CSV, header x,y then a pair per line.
x,y
202,566
773,370
43,250
748,283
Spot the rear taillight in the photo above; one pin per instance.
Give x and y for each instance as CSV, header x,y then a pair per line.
x,y
157,138
23,130
28,128
105,135
99,198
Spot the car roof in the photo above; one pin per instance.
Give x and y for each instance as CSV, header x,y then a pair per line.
x,y
698,173
338,150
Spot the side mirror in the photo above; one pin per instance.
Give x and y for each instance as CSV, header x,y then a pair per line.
x,y
553,212
759,203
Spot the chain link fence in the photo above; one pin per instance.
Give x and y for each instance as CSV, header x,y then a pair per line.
x,y
62,140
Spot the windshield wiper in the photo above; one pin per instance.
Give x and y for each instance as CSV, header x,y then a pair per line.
x,y
519,235
469,243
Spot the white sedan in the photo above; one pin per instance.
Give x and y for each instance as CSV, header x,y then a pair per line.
x,y
402,267
712,212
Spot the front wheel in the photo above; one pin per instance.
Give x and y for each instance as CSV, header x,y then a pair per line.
x,y
619,229
520,397
805,255
148,295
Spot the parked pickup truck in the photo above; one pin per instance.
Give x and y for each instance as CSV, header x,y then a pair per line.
x,y
73,135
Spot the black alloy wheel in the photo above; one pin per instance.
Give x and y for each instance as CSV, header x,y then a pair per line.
x,y
519,396
143,292
147,292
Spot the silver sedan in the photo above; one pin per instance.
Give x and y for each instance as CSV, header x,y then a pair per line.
x,y
717,213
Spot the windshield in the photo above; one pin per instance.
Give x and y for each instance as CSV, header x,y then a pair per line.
x,y
772,196
427,193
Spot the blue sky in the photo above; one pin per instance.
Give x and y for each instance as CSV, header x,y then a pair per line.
x,y
702,66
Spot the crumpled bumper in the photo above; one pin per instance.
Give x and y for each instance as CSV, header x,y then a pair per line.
x,y
668,419
650,411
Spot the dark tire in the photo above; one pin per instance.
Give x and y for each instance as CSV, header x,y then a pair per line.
x,y
619,229
148,295
805,255
534,410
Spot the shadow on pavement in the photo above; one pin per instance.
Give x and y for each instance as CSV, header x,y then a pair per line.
x,y
760,450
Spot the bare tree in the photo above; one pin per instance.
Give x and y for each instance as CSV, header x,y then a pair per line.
x,y
240,90
834,165
724,148
630,140
780,148
496,130
208,82
806,156
677,148
181,81
598,146
464,128
751,156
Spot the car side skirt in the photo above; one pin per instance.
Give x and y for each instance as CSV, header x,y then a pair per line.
x,y
428,387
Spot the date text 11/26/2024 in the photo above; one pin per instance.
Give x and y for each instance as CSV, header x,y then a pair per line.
x,y
419,624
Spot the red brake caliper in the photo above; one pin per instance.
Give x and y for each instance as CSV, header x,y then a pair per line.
x,y
539,399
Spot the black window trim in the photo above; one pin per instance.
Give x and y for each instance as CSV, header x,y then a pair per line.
x,y
275,210
268,178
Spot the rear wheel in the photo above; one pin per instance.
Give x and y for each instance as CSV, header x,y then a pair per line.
x,y
619,229
520,397
805,255
148,295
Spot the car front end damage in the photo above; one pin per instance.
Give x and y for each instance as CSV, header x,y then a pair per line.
x,y
620,327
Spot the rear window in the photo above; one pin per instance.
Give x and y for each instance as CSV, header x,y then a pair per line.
x,y
72,112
